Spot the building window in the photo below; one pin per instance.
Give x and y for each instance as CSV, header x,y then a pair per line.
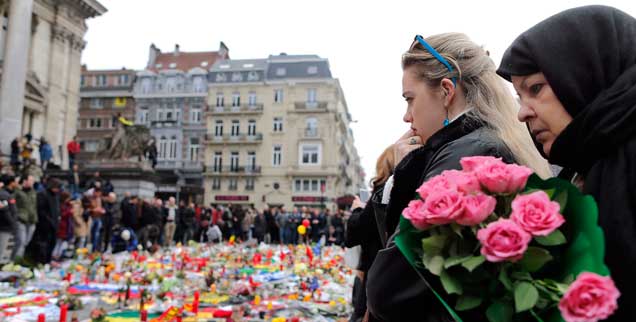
x,y
251,99
249,184
217,161
143,115
82,81
91,146
97,103
171,84
193,152
233,184
216,183
198,84
220,77
234,161
277,155
310,154
101,80
311,95
280,71
237,77
218,128
311,127
278,96
123,79
278,124
161,116
236,99
163,148
220,101
146,85
235,128
251,127
196,114
252,76
251,161
95,123
172,147
311,70
310,185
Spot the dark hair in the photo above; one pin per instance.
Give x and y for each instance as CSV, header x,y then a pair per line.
x,y
7,179
64,196
23,178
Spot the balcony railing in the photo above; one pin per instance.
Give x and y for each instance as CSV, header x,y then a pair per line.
x,y
230,170
164,123
310,107
242,109
234,139
310,132
175,164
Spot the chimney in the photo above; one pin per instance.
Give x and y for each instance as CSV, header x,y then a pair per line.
x,y
153,52
224,52
176,49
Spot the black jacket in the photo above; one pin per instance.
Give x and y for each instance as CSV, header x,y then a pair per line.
x,y
48,205
362,229
395,292
8,213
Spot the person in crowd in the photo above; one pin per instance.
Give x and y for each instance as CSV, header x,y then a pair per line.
x,y
27,148
15,154
226,221
48,207
578,99
203,225
124,240
188,217
150,223
74,181
107,187
260,226
95,181
128,206
32,169
171,214
281,223
293,221
81,223
73,148
457,106
246,225
363,229
8,211
112,217
214,234
26,203
64,231
46,153
97,213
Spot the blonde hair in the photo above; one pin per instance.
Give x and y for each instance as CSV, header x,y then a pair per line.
x,y
492,103
383,167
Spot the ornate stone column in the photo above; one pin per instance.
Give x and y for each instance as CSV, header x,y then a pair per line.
x,y
14,71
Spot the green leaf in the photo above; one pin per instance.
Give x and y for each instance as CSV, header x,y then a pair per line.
x,y
455,260
526,296
450,284
500,311
550,192
562,199
434,264
535,258
505,280
553,239
473,262
467,302
457,229
522,276
434,245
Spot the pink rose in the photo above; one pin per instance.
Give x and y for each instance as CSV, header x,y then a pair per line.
x,y
471,164
443,207
465,181
497,176
435,183
503,240
536,213
414,214
590,298
476,209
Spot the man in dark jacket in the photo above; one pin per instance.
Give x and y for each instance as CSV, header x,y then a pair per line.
x,y
8,212
128,208
26,203
111,217
48,207
188,223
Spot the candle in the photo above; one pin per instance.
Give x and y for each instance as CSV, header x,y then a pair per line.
x,y
195,305
63,311
41,317
144,316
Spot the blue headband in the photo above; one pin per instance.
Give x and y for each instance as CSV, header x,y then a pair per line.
x,y
437,56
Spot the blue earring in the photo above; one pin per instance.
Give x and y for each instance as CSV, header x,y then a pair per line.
x,y
446,122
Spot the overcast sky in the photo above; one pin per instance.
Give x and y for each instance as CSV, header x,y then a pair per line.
x,y
362,40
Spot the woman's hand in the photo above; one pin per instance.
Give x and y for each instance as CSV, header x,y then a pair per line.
x,y
404,145
357,203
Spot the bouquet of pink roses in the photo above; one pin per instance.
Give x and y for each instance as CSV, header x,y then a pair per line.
x,y
504,241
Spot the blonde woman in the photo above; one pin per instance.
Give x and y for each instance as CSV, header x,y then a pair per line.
x,y
457,106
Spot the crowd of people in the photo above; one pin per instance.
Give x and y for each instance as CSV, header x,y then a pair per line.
x,y
88,213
